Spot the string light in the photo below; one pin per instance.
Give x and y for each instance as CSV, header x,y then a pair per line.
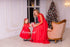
x,y
67,3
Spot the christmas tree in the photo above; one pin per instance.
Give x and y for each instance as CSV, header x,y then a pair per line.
x,y
52,15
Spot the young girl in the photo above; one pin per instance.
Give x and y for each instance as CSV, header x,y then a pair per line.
x,y
25,33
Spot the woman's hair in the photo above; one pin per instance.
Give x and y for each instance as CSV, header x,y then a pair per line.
x,y
36,10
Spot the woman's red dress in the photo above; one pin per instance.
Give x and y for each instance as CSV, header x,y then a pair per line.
x,y
25,33
39,34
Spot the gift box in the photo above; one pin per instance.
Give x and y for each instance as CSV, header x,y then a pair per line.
x,y
33,24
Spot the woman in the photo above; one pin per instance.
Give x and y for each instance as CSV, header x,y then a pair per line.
x,y
39,34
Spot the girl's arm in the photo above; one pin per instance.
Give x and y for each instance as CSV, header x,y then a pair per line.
x,y
40,22
29,24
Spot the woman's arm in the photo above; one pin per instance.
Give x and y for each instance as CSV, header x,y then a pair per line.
x,y
40,22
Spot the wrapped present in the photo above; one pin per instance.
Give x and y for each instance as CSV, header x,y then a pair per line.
x,y
33,24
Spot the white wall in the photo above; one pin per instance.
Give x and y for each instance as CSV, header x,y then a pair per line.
x,y
44,6
62,11
12,14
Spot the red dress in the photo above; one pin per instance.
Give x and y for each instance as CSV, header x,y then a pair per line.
x,y
39,34
25,33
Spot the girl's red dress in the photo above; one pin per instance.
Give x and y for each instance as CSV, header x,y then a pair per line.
x,y
25,33
39,34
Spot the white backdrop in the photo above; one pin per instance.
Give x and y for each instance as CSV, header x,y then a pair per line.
x,y
12,14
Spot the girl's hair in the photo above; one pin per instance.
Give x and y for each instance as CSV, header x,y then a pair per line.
x,y
36,10
25,20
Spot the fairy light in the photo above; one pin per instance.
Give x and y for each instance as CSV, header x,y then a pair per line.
x,y
67,4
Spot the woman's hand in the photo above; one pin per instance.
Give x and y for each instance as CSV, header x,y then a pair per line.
x,y
34,25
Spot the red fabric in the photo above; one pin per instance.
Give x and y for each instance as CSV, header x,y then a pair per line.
x,y
25,33
39,34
